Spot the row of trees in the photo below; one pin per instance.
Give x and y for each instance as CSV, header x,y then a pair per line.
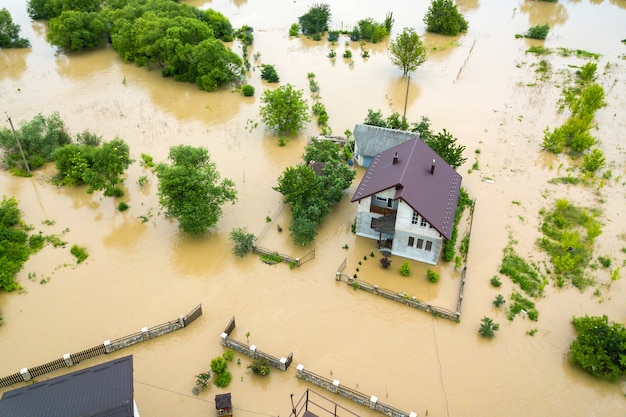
x,y
313,187
185,42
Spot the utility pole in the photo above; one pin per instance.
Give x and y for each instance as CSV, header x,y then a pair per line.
x,y
406,99
19,145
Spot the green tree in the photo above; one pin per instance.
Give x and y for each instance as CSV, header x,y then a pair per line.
x,y
284,110
443,17
10,32
39,138
47,9
190,189
444,144
407,51
599,347
74,30
315,20
269,74
109,163
594,160
243,241
220,24
488,327
215,65
371,31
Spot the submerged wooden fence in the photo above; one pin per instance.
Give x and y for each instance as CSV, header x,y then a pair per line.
x,y
286,258
108,346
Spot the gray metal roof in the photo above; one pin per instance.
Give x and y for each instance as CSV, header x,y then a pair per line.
x,y
433,195
372,140
104,390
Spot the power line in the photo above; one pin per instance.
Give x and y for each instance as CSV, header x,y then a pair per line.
x,y
443,388
202,399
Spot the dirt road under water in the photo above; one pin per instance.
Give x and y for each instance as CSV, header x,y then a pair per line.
x,y
481,86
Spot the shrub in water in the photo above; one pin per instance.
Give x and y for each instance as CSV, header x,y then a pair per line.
x,y
432,275
247,90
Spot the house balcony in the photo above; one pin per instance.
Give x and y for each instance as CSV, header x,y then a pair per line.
x,y
382,210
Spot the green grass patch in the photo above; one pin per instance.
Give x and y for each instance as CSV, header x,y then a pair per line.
x,y
521,272
539,50
566,180
79,252
520,304
569,233
271,259
580,53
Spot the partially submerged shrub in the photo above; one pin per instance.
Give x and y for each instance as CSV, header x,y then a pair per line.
x,y
432,275
539,32
79,252
260,366
247,90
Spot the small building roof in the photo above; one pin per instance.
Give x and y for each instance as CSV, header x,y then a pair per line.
x,y
372,140
421,178
223,401
104,390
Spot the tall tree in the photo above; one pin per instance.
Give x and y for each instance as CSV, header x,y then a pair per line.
x,y
443,17
316,19
284,110
10,32
407,51
74,30
190,189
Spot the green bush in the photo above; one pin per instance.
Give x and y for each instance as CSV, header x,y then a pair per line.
x,y
269,74
243,241
219,364
588,71
488,327
202,380
600,347
347,53
594,161
122,206
495,281
499,300
222,380
405,269
538,32
260,366
316,19
333,36
79,252
443,17
432,275
247,90
228,355
294,29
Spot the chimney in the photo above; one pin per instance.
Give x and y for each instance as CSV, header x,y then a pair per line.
x,y
432,168
395,158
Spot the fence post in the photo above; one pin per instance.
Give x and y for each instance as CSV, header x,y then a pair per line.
x,y
297,261
68,360
335,386
253,350
412,414
223,337
107,346
373,401
25,374
283,363
144,332
300,371
181,320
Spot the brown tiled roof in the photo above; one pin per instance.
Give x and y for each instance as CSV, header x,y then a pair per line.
x,y
433,195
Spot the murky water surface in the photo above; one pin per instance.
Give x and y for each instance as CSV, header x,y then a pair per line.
x,y
481,86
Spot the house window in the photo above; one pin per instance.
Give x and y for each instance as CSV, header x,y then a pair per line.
x,y
429,245
415,218
411,241
423,222
374,222
420,243
382,199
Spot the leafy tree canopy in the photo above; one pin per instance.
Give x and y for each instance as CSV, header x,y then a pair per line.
x,y
446,147
443,17
314,187
243,241
600,347
316,19
284,110
39,138
47,9
190,189
75,30
10,32
407,51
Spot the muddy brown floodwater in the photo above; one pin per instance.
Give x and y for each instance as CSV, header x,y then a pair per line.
x,y
481,86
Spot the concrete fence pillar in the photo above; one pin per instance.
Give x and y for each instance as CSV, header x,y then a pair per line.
x,y
68,360
376,288
373,402
25,374
283,363
145,334
107,346
298,261
338,276
300,371
181,320
412,414
253,351
223,338
335,386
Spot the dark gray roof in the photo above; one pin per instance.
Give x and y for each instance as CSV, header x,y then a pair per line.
x,y
104,390
223,401
372,140
433,196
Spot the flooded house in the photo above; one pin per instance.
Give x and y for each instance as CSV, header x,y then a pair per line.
x,y
407,201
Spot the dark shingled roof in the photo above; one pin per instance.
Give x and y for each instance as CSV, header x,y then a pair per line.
x,y
223,401
372,140
104,390
433,196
